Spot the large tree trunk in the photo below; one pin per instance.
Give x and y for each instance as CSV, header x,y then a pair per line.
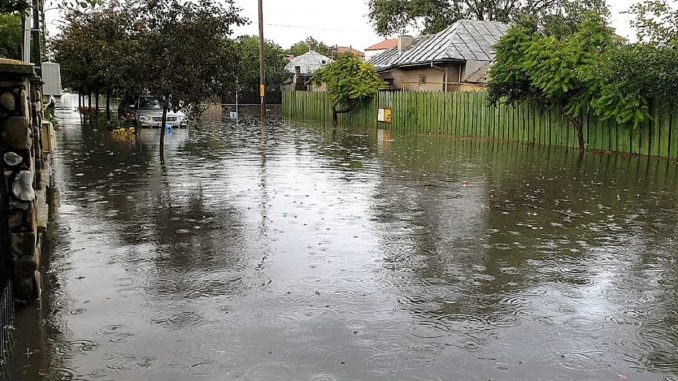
x,y
580,132
335,114
89,99
163,120
79,100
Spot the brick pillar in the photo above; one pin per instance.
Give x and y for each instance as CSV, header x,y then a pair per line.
x,y
20,117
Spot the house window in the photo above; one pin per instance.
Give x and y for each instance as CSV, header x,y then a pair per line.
x,y
422,79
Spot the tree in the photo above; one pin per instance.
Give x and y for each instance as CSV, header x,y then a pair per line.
x,y
349,81
77,50
190,57
22,5
248,74
656,22
180,52
551,70
99,50
587,71
391,17
628,77
10,6
311,43
10,36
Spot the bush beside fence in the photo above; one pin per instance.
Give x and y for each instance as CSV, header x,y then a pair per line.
x,y
472,115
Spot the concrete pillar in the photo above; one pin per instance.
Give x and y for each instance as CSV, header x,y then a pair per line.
x,y
21,152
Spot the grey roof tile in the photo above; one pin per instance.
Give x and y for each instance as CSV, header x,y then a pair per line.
x,y
309,62
465,40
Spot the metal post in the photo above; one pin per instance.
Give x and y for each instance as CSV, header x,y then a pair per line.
x,y
262,76
36,37
27,36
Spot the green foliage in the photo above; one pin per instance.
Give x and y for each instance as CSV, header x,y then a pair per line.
x,y
629,77
656,22
21,6
187,54
533,66
390,17
349,80
558,67
509,77
10,35
311,43
248,74
643,68
181,52
99,49
10,6
588,70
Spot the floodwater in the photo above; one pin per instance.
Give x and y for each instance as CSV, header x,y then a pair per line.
x,y
292,253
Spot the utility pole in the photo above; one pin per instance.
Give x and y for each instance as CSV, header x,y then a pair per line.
x,y
36,36
26,51
262,75
32,49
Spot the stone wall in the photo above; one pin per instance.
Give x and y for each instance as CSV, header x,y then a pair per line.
x,y
21,149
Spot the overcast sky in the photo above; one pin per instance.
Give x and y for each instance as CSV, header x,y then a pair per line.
x,y
342,22
345,22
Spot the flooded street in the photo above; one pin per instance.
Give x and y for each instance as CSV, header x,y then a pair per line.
x,y
296,254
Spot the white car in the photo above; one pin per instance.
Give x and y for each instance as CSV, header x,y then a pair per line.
x,y
147,113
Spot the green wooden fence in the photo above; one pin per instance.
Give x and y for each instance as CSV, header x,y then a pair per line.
x,y
471,115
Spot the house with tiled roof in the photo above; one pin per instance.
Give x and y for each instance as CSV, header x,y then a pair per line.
x,y
302,68
349,49
380,47
456,59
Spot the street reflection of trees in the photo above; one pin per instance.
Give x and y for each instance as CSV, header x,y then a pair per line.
x,y
432,229
348,151
453,250
199,248
171,208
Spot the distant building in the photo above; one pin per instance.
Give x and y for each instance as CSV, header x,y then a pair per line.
x,y
456,59
303,67
380,47
355,52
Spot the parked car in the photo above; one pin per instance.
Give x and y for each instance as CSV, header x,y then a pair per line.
x,y
146,112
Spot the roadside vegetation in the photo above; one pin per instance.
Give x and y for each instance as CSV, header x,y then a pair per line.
x,y
10,35
309,44
390,17
248,73
348,81
590,69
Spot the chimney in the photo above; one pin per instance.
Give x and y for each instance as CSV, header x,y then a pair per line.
x,y
404,42
298,79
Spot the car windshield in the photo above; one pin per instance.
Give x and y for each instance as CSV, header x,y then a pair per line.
x,y
149,103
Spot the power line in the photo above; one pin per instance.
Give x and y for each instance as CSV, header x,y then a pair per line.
x,y
315,28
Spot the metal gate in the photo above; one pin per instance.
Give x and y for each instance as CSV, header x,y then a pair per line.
x,y
6,296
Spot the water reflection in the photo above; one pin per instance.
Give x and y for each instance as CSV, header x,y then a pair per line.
x,y
292,252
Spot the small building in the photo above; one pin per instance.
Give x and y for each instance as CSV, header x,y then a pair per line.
x,y
349,49
380,47
51,76
303,67
456,59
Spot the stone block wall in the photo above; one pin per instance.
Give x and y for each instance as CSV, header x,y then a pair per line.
x,y
21,113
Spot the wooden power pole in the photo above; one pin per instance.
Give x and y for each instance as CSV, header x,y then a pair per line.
x,y
262,75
